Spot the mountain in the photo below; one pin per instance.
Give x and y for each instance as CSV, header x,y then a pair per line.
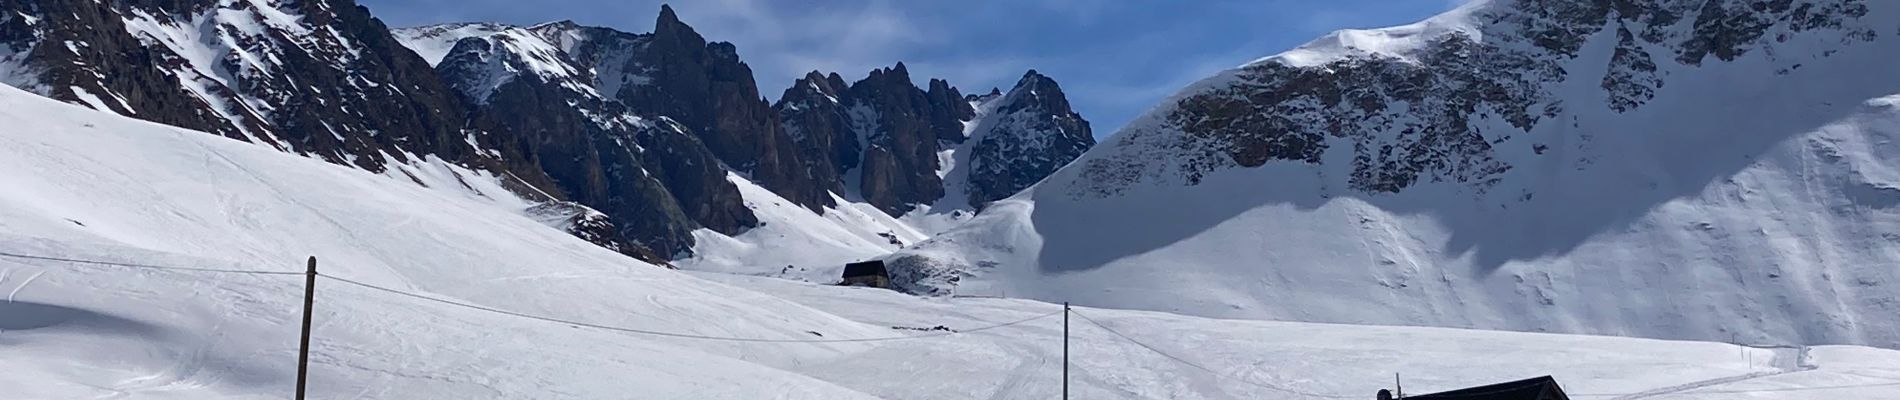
x,y
829,147
897,160
311,77
319,78
1029,133
535,86
1675,169
898,147
117,190
646,135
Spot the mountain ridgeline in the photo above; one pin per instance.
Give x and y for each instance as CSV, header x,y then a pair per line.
x,y
649,129
888,134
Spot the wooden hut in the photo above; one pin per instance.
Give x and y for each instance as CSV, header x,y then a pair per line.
x,y
867,273
1539,388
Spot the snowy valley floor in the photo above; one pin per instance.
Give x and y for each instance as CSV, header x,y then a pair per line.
x,y
56,346
1266,359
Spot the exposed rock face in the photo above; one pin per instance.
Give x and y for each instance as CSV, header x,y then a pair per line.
x,y
648,172
816,118
103,63
1419,118
705,87
1026,136
948,111
884,139
592,226
900,153
315,77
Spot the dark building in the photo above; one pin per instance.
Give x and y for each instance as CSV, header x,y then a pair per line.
x,y
867,273
1539,388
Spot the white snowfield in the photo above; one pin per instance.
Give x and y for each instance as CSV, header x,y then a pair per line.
x,y
82,184
1748,201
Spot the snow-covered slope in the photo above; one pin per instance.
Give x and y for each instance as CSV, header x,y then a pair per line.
x,y
95,187
795,243
92,186
433,42
1673,169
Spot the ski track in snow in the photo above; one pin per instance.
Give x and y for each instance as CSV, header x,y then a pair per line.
x,y
1787,360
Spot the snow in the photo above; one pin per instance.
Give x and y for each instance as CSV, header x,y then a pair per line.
x,y
1741,203
89,99
13,60
202,42
1343,361
512,51
159,195
1398,41
89,185
433,42
795,243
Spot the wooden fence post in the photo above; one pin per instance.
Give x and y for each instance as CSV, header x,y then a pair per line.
x,y
303,346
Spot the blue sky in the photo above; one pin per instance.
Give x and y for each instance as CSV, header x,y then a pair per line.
x,y
1114,58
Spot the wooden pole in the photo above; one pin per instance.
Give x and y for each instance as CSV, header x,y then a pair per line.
x,y
303,345
1065,350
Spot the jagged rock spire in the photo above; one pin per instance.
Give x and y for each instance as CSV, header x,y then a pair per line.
x,y
1030,134
905,128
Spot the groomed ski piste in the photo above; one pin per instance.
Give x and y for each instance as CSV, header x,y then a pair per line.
x,y
85,190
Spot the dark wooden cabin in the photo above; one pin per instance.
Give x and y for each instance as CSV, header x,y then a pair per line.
x,y
1539,388
867,273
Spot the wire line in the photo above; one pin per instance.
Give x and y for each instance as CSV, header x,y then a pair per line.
x,y
671,334
1203,368
878,339
147,266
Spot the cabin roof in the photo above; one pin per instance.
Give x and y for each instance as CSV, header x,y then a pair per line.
x,y
1539,388
866,268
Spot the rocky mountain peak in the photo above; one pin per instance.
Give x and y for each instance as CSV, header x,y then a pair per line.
x,y
1029,133
818,83
887,77
981,98
673,37
668,21
1036,90
893,134
616,125
706,88
947,111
